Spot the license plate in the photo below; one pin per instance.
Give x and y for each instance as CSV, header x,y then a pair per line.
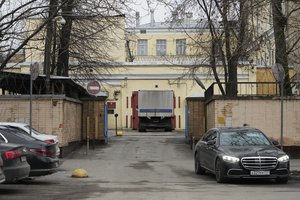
x,y
23,159
259,173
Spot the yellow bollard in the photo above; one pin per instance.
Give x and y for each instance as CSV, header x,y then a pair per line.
x,y
79,173
119,133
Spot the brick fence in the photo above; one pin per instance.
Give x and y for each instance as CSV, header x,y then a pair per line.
x,y
261,113
51,114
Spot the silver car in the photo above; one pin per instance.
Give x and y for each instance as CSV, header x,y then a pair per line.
x,y
34,133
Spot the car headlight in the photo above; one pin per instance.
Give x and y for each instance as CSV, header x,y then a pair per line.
x,y
230,159
284,158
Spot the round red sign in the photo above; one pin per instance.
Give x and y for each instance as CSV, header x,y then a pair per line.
x,y
93,87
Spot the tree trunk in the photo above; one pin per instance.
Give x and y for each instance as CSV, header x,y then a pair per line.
x,y
231,85
281,57
64,53
48,43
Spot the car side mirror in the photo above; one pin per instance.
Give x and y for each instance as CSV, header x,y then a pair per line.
x,y
276,143
211,142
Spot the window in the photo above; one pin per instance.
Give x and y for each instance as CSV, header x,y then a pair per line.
x,y
180,46
142,47
161,47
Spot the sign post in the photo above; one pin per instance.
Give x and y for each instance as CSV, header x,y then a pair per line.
x,y
116,116
34,73
278,72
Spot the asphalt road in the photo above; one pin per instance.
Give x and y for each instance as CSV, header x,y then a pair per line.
x,y
155,165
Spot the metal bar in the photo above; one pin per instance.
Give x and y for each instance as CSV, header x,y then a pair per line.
x,y
30,105
105,124
87,135
281,115
96,131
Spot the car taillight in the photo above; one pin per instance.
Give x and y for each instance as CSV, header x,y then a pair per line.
x,y
42,152
12,154
50,141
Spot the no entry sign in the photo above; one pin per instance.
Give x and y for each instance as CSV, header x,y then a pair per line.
x,y
93,87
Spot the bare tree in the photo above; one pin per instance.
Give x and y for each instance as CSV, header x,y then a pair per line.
x,y
228,24
83,43
91,29
280,24
292,12
13,36
239,31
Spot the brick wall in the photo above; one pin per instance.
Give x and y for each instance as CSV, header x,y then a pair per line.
x,y
54,115
260,113
72,122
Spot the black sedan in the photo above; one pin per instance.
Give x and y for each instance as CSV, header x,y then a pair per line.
x,y
15,166
41,156
240,153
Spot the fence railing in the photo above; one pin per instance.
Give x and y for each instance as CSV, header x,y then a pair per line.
x,y
252,89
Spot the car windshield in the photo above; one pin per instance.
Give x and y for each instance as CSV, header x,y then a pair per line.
x,y
243,138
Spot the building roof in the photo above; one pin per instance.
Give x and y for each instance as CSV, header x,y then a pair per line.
x,y
174,25
19,83
186,25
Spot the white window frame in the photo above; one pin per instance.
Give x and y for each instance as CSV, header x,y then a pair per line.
x,y
142,47
180,47
161,47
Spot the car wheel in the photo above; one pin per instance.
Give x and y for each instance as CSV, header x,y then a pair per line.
x,y
219,172
282,180
198,168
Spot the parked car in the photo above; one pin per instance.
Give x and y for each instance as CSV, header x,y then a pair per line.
x,y
2,176
41,155
34,133
15,165
240,153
